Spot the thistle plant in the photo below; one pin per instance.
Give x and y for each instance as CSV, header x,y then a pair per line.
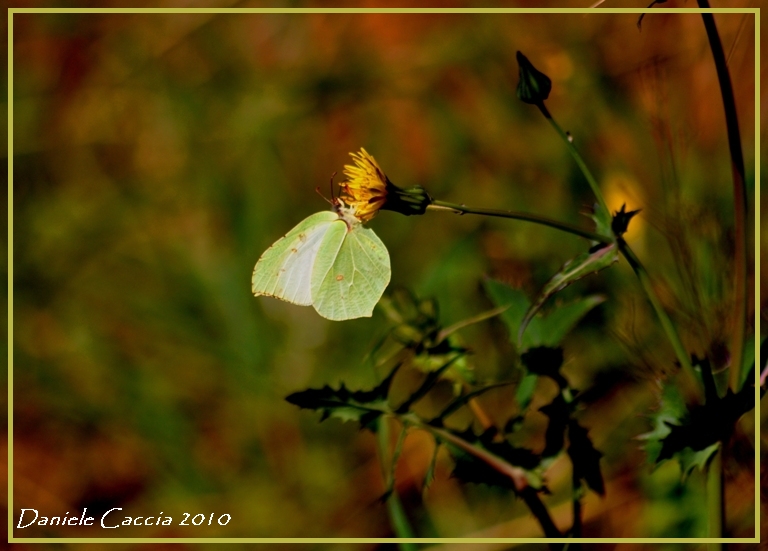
x,y
695,420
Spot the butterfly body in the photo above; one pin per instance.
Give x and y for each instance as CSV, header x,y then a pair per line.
x,y
329,260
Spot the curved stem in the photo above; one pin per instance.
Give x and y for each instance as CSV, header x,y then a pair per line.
x,y
739,198
693,383
576,157
536,219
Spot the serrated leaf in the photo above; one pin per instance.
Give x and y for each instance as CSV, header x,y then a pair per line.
x,y
553,327
554,437
682,435
670,412
706,425
514,299
546,330
543,330
364,407
585,458
583,265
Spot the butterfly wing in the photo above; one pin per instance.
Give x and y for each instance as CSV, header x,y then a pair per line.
x,y
350,274
284,271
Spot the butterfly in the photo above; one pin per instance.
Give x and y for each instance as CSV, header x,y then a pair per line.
x,y
329,260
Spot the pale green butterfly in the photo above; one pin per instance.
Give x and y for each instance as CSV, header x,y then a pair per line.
x,y
328,260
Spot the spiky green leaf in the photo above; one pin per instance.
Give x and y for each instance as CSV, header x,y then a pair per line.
x,y
587,263
543,330
364,407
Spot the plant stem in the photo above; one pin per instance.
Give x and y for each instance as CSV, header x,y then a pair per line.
x,y
394,507
693,381
739,198
715,500
400,522
576,527
526,492
539,510
536,219
576,157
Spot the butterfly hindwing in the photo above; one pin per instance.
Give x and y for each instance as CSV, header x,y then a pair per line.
x,y
349,277
284,271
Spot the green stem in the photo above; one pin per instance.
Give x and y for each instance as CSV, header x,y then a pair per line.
x,y
576,157
536,219
637,266
666,323
715,499
397,514
400,522
739,198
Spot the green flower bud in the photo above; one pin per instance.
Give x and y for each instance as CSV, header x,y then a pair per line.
x,y
408,201
534,86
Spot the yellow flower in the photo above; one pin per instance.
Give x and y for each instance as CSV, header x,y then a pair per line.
x,y
367,190
366,187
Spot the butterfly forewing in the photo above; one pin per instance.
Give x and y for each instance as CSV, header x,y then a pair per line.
x,y
349,278
284,271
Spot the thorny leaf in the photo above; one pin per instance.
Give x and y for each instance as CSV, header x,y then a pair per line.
x,y
585,458
365,407
692,436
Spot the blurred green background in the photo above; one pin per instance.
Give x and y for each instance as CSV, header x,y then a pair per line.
x,y
157,156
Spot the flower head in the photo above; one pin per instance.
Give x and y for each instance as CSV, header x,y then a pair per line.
x,y
366,187
368,190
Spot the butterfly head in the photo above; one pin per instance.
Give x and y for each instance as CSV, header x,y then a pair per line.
x,y
346,213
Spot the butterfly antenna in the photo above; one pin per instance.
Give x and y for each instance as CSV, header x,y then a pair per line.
x,y
332,177
320,193
333,199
